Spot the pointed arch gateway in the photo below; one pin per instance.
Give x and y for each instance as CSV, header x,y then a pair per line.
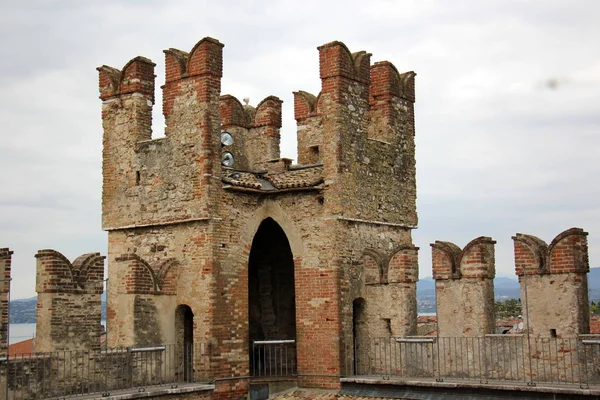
x,y
271,301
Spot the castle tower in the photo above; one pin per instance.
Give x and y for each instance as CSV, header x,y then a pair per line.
x,y
464,287
217,240
5,261
68,304
553,278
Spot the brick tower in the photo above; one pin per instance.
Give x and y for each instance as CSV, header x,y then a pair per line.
x,y
211,230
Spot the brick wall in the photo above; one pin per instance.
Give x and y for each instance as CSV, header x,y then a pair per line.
x,y
5,260
464,284
553,279
68,305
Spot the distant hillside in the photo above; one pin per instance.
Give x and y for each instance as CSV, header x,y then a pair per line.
x,y
594,278
504,288
22,311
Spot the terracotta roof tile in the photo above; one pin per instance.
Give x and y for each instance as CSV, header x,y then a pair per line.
x,y
296,178
595,324
273,181
242,179
22,348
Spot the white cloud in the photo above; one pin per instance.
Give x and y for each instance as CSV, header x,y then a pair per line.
x,y
507,105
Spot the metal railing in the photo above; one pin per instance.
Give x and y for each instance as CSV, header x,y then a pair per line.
x,y
78,373
273,358
493,358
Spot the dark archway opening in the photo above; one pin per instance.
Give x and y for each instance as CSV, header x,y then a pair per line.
x,y
272,303
184,330
359,334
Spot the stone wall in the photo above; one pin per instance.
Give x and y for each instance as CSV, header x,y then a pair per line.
x,y
464,284
361,127
554,287
68,304
5,261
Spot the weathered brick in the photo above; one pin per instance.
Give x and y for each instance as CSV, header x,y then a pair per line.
x,y
68,304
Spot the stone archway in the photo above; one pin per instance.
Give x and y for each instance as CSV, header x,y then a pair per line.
x,y
271,294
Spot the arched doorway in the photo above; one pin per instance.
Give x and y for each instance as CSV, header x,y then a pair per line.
x,y
271,301
184,331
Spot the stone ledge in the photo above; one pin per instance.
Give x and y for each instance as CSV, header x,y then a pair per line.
x,y
152,391
471,384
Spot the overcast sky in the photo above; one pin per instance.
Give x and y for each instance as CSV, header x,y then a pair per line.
x,y
507,112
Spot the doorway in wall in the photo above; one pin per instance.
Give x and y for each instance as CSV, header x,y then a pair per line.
x,y
359,335
184,329
272,303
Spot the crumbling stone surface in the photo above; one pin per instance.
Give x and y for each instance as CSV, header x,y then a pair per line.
x,y
68,304
5,261
464,284
554,288
352,196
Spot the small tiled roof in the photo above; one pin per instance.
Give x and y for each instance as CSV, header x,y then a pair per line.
x,y
274,181
595,325
23,348
242,179
315,394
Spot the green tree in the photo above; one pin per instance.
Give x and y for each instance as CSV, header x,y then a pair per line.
x,y
510,308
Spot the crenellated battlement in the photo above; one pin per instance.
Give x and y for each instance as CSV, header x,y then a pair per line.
x,y
68,307
204,59
336,60
475,260
387,83
567,253
553,282
266,113
194,78
137,76
255,131
464,283
338,67
56,274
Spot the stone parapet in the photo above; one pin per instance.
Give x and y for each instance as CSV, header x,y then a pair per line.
x,y
554,287
464,282
69,304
